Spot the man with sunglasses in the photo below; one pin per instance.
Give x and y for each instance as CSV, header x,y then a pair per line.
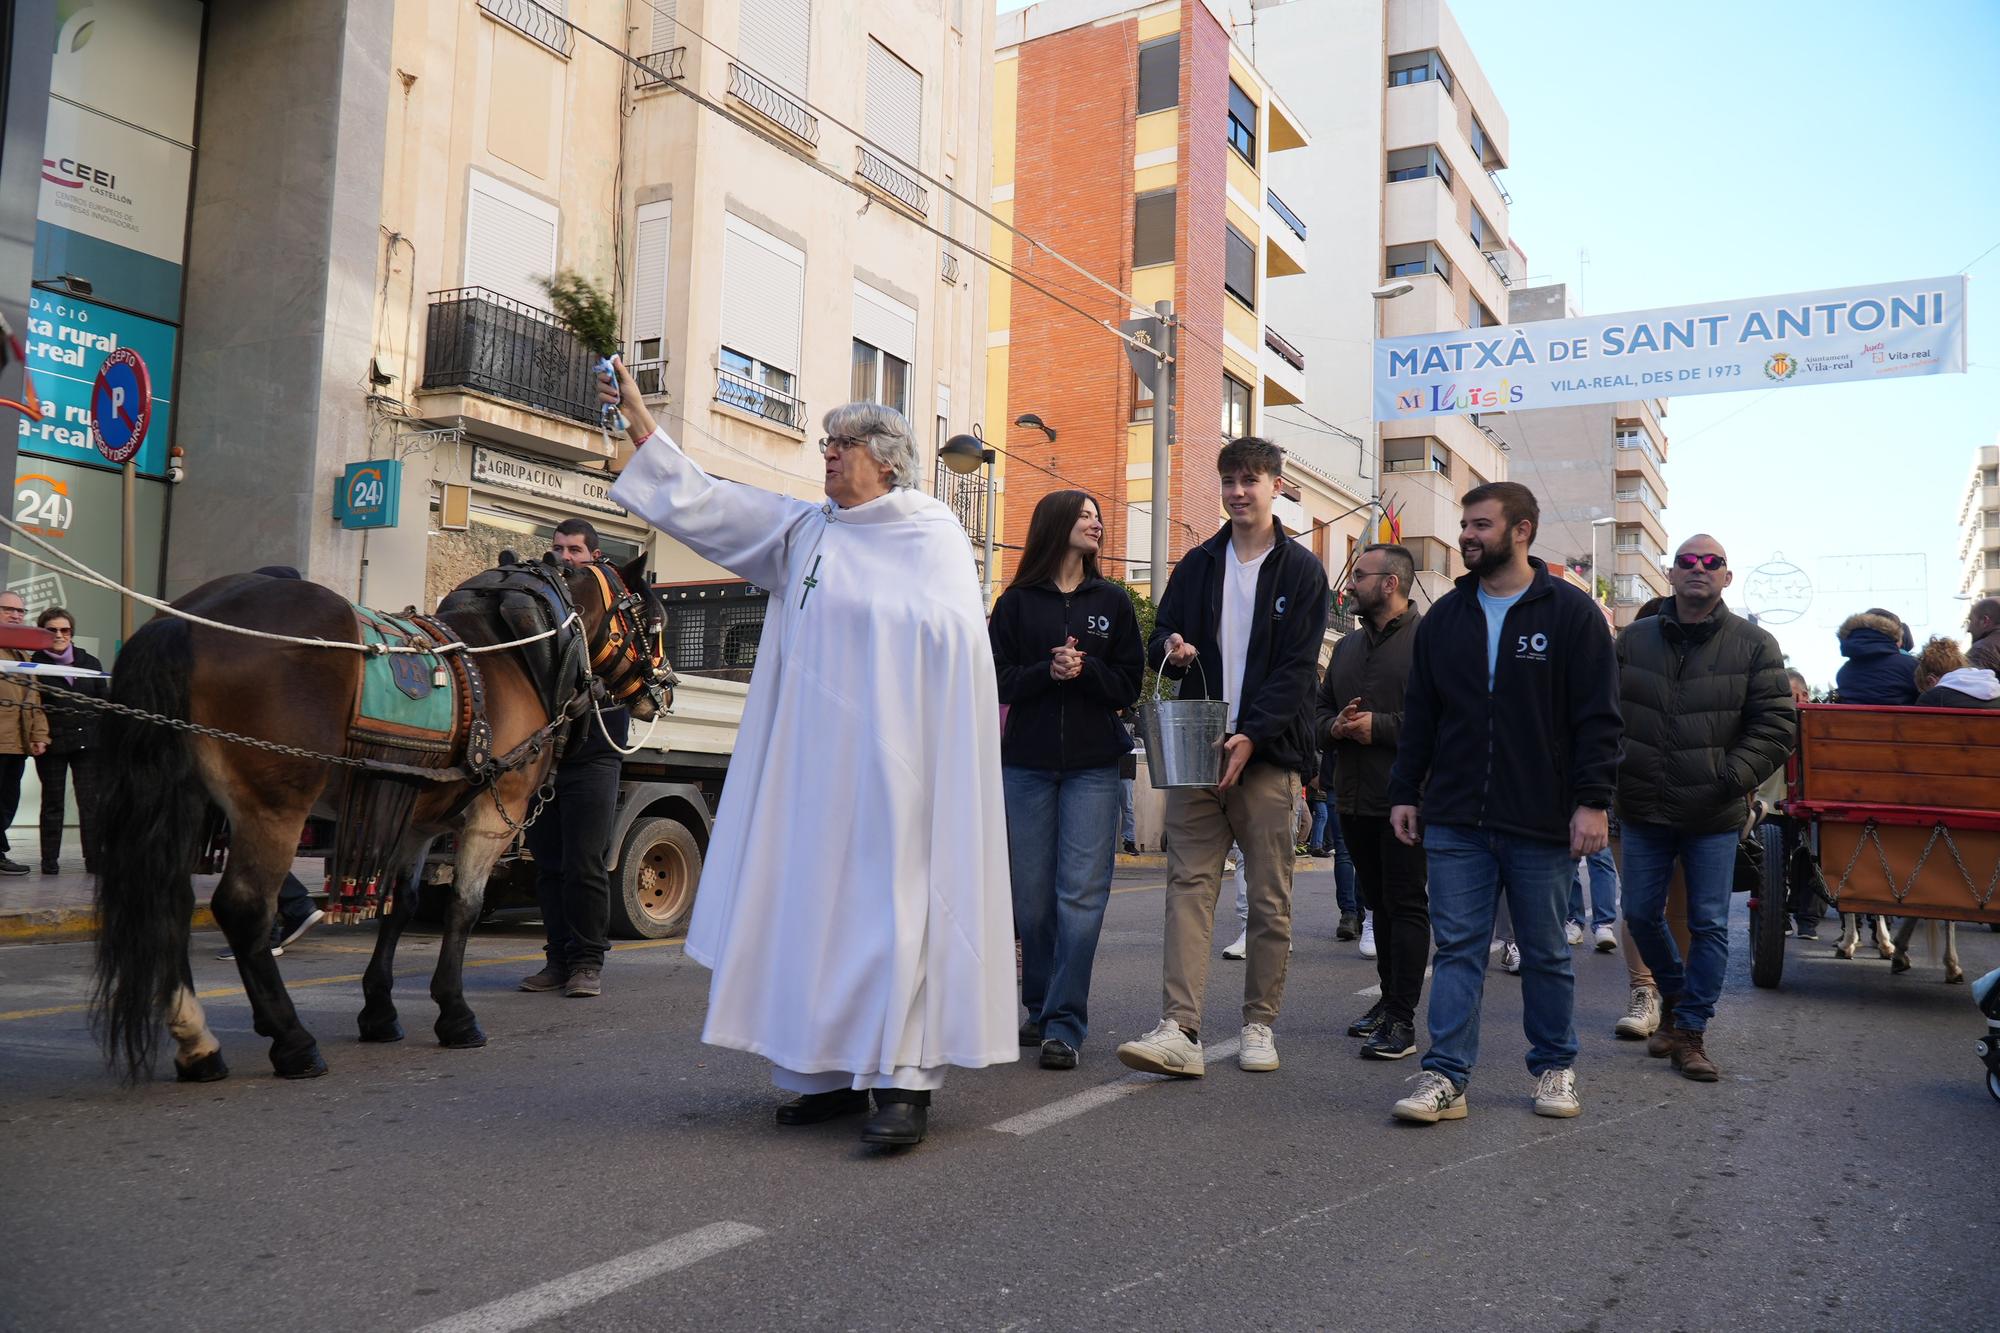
x,y
1708,717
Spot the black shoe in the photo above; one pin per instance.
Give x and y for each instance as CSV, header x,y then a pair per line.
x,y
1057,1054
896,1124
1131,848
585,983
9,866
1031,1034
1392,1041
1366,1025
1808,930
815,1107
51,868
551,977
1348,929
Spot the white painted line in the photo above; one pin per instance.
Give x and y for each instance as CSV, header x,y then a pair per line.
x,y
1028,1122
1375,992
526,1308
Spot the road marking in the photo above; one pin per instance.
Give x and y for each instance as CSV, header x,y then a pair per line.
x,y
1028,1122
225,992
1375,991
526,1308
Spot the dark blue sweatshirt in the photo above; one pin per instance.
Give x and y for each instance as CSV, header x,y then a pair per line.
x,y
1065,725
1544,740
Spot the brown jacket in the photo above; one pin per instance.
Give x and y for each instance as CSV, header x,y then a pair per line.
x,y
23,724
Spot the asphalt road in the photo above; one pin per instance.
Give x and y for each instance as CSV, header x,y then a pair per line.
x,y
595,1167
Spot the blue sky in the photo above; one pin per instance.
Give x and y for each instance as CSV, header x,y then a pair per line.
x,y
1711,150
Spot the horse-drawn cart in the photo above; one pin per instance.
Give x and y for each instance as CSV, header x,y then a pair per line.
x,y
1892,812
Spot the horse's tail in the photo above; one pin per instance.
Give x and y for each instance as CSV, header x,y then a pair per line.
x,y
145,872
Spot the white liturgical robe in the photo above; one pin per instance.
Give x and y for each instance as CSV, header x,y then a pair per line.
x,y
854,904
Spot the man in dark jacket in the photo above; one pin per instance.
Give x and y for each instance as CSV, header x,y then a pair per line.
x,y
1247,610
1708,718
1877,670
1510,740
1360,717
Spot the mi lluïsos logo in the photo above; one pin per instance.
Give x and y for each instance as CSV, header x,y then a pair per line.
x,y
1780,366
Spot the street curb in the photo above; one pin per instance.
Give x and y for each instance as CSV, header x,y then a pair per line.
x,y
54,925
1143,860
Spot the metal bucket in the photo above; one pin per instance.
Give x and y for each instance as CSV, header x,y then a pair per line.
x,y
1183,737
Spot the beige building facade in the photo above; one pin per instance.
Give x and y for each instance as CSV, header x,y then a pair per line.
x,y
1979,525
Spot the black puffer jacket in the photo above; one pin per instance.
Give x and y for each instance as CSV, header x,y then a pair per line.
x,y
1708,717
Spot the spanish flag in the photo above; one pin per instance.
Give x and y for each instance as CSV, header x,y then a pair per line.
x,y
1390,529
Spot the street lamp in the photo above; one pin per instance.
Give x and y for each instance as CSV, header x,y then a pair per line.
x,y
1595,524
1392,289
964,455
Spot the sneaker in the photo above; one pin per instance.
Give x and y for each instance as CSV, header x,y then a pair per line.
x,y
1258,1053
1436,1098
1164,1050
1573,932
584,983
1058,1054
1642,1015
1131,847
1392,1041
1228,867
278,941
1236,951
551,977
1365,1025
1349,927
292,934
1809,930
1555,1095
1510,959
1689,1057
229,955
1607,939
9,866
1368,935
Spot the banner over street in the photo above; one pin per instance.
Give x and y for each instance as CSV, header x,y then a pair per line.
x,y
1885,331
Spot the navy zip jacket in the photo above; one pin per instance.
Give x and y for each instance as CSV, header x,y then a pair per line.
x,y
1522,757
1288,620
1065,725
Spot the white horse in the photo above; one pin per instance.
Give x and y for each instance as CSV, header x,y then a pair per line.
x,y
1850,936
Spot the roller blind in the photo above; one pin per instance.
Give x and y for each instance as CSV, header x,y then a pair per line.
x,y
774,38
895,110
664,30
510,240
650,245
880,320
763,289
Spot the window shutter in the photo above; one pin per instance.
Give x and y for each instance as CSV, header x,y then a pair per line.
x,y
510,240
1159,75
664,28
763,290
1240,266
880,320
774,38
1153,229
895,104
649,270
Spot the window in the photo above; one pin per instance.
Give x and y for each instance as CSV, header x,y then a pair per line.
x,y
1633,438
763,288
1239,267
1416,453
1235,408
880,377
1242,124
743,381
1431,555
664,30
1153,229
1419,67
1637,488
1483,234
1412,164
1993,518
1440,459
1482,147
774,39
1159,75
510,240
1142,399
1406,261
1630,590
895,111
1993,559
647,333
885,344
1482,318
1990,476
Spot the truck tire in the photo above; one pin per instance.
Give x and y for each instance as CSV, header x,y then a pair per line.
x,y
1767,934
653,883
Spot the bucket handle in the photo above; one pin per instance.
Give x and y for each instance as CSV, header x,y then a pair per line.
x,y
1158,676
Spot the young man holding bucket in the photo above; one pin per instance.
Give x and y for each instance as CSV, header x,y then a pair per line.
x,y
1241,622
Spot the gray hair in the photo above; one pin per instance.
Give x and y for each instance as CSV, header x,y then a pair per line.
x,y
885,431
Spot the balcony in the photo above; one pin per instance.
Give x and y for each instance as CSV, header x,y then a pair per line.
x,y
747,395
534,22
890,182
965,496
773,105
1284,370
651,377
663,67
1291,219
948,266
1284,238
480,340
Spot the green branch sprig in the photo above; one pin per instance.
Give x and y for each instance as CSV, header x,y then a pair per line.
x,y
585,311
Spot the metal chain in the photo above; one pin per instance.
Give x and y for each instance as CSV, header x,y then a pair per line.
x,y
192,728
1982,899
543,795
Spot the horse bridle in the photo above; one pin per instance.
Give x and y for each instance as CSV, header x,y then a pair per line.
x,y
625,656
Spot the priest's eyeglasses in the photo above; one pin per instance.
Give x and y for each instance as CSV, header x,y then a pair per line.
x,y
1689,560
829,445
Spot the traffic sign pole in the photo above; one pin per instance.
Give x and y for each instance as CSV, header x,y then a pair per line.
x,y
128,548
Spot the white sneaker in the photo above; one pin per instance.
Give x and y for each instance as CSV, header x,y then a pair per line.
x,y
1228,867
1258,1053
1436,1098
1555,1095
1573,932
1607,939
1238,949
1642,1014
1368,935
1510,959
293,934
1165,1050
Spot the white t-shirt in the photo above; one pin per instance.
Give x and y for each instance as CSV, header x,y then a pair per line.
x,y
1239,606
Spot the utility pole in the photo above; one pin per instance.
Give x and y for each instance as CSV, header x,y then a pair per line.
x,y
1163,434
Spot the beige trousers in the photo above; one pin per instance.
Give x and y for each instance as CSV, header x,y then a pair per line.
x,y
1201,823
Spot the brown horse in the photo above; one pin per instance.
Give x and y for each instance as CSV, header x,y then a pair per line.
x,y
162,784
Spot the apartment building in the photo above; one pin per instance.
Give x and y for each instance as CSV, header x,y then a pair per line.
x,y
1136,140
1600,473
1411,235
1979,523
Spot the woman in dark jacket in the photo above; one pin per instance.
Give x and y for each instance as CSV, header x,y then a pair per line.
x,y
1067,652
1877,670
72,751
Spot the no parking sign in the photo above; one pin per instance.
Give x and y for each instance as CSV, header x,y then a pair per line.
x,y
121,406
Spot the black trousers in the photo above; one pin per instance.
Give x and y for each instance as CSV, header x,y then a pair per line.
x,y
1392,878
571,843
79,766
12,766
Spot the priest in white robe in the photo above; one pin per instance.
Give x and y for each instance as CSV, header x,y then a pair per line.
x,y
854,903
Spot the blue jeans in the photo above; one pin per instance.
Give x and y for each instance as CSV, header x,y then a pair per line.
x,y
1128,826
1346,893
1470,868
1603,889
1708,864
1060,827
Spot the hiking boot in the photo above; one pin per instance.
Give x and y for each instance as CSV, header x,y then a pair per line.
x,y
551,977
584,983
1258,1053
1164,1050
1689,1057
1349,927
1391,1041
1660,1044
1436,1098
1365,1025
1642,1015
1555,1094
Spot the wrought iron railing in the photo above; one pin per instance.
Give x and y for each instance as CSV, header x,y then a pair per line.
x,y
748,395
773,104
650,376
1289,354
1493,174
480,340
1499,266
532,20
965,495
948,266
663,67
1291,219
877,171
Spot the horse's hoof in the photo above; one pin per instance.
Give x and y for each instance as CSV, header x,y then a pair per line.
x,y
1954,978
389,1030
202,1069
460,1036
310,1066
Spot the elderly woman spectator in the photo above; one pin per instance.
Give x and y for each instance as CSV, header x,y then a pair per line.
x,y
854,905
1949,680
72,752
